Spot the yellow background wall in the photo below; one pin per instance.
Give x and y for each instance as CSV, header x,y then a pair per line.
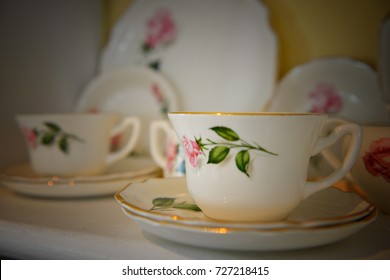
x,y
307,29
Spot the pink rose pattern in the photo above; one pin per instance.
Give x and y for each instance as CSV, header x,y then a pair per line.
x,y
171,152
93,110
219,151
31,137
324,98
191,150
157,93
116,142
377,159
161,29
159,96
50,134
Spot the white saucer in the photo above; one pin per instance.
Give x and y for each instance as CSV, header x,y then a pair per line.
x,y
325,217
22,179
222,57
133,91
352,85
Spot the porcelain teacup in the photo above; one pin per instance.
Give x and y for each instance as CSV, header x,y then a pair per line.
x,y
253,166
165,149
371,172
73,144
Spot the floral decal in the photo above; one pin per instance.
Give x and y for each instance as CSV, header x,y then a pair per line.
x,y
160,31
218,151
174,158
171,152
324,98
192,150
116,142
51,135
31,136
167,203
93,110
377,159
159,96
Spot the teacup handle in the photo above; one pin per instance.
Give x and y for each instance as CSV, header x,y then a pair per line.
x,y
126,123
156,149
324,142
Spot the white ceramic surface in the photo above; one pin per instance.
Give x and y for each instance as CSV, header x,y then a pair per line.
x,y
76,144
253,166
22,179
132,91
338,86
326,217
220,54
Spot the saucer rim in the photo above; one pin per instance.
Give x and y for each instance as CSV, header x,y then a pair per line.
x,y
60,180
311,223
249,239
202,228
76,190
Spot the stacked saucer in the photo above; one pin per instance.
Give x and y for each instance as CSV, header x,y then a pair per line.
x,y
22,179
164,207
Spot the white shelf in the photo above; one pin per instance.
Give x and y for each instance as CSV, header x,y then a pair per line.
x,y
96,228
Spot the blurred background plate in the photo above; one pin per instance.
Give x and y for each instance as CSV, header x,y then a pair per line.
x,y
338,86
131,91
221,55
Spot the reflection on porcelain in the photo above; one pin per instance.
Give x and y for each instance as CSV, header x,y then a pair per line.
x,y
22,179
137,91
325,217
234,161
228,52
339,86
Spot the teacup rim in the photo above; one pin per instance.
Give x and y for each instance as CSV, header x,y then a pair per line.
x,y
66,114
221,113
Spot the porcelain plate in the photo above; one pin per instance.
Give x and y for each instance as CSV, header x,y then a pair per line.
x,y
325,217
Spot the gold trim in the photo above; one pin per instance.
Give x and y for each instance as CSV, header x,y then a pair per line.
x,y
225,230
36,179
283,224
247,113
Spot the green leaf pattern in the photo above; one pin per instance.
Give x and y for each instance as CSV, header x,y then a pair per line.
x,y
167,203
52,134
218,154
226,133
242,161
219,151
